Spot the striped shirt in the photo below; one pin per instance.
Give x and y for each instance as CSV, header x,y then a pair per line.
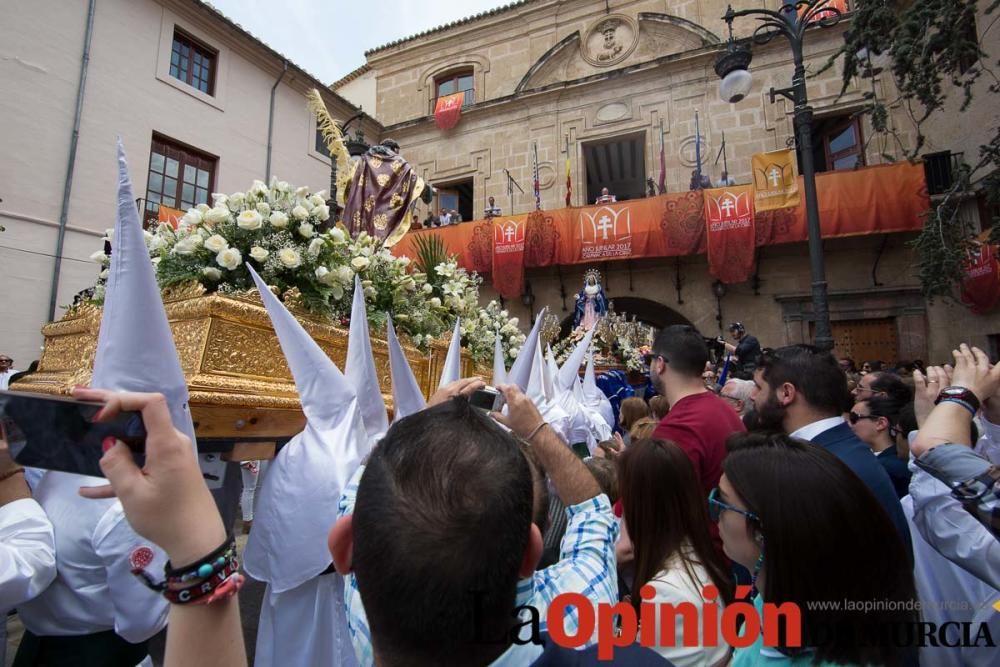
x,y
586,565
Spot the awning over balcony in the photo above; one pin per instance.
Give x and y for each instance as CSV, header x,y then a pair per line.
x,y
874,200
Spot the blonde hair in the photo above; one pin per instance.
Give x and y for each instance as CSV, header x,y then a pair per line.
x,y
632,410
643,429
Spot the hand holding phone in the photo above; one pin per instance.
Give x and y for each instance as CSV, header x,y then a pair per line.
x,y
58,433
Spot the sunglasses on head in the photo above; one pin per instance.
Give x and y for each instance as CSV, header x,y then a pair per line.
x,y
854,417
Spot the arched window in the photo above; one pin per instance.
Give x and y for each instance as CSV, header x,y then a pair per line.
x,y
459,81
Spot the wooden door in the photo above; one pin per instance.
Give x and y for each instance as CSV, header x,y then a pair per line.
x,y
865,340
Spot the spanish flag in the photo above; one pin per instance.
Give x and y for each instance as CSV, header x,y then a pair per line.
x,y
569,182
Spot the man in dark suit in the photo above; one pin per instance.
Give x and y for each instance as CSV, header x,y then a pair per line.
x,y
803,393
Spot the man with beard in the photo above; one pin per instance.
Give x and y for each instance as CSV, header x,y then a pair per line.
x,y
803,392
699,422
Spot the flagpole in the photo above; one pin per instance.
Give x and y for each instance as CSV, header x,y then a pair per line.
x,y
697,145
662,184
538,194
569,186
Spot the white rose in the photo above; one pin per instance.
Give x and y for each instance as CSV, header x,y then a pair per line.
x,y
192,218
427,288
306,230
157,243
290,258
281,186
300,212
435,302
109,234
345,274
185,246
370,292
403,261
513,352
216,215
322,212
264,209
219,199
216,243
202,208
197,241
236,201
229,258
513,322
259,188
278,220
325,276
258,253
249,220
316,200
360,263
315,247
99,257
212,273
301,191
103,275
337,234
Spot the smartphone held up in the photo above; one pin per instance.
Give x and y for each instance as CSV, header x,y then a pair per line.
x,y
57,433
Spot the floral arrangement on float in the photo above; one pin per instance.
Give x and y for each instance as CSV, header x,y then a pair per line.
x,y
285,234
618,341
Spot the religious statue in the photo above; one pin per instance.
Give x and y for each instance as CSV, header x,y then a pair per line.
x,y
591,305
379,190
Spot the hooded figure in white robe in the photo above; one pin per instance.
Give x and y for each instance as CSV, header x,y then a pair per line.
x,y
406,395
302,618
95,590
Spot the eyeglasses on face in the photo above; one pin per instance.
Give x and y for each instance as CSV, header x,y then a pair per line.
x,y
854,417
716,507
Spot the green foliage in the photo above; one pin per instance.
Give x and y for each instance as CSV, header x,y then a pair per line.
x,y
935,54
431,252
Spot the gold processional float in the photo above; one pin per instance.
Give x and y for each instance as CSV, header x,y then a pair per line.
x,y
242,396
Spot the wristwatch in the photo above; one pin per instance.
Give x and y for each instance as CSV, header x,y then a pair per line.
x,y
960,395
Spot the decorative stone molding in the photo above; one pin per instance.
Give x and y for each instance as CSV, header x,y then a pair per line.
x,y
610,40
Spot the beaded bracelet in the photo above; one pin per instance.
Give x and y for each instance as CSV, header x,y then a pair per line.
x,y
214,577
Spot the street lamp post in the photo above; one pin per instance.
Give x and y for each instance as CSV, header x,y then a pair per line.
x,y
791,21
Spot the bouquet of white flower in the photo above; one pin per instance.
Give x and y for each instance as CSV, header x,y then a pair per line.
x,y
274,228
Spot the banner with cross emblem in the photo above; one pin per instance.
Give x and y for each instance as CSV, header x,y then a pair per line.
x,y
731,234
774,181
508,255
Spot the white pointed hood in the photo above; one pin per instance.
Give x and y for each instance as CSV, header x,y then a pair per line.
x,y
520,372
360,369
452,369
570,371
540,391
135,348
499,371
594,398
406,395
551,373
297,502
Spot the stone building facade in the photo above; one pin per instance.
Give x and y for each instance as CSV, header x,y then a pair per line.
x,y
602,82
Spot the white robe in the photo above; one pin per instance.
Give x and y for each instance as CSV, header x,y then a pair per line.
x,y
305,626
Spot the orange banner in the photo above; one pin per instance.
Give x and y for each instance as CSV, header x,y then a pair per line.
x,y
447,110
508,255
774,182
874,200
730,232
170,215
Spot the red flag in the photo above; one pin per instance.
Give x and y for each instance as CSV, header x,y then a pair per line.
x,y
981,286
447,110
730,232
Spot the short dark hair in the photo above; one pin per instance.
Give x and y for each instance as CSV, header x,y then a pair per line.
x,y
815,375
441,524
891,385
822,507
682,347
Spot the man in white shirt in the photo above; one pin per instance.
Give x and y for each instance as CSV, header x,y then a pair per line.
x,y
445,218
605,198
6,370
27,546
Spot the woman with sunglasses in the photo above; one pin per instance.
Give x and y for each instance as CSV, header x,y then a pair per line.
x,y
877,422
666,520
806,527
